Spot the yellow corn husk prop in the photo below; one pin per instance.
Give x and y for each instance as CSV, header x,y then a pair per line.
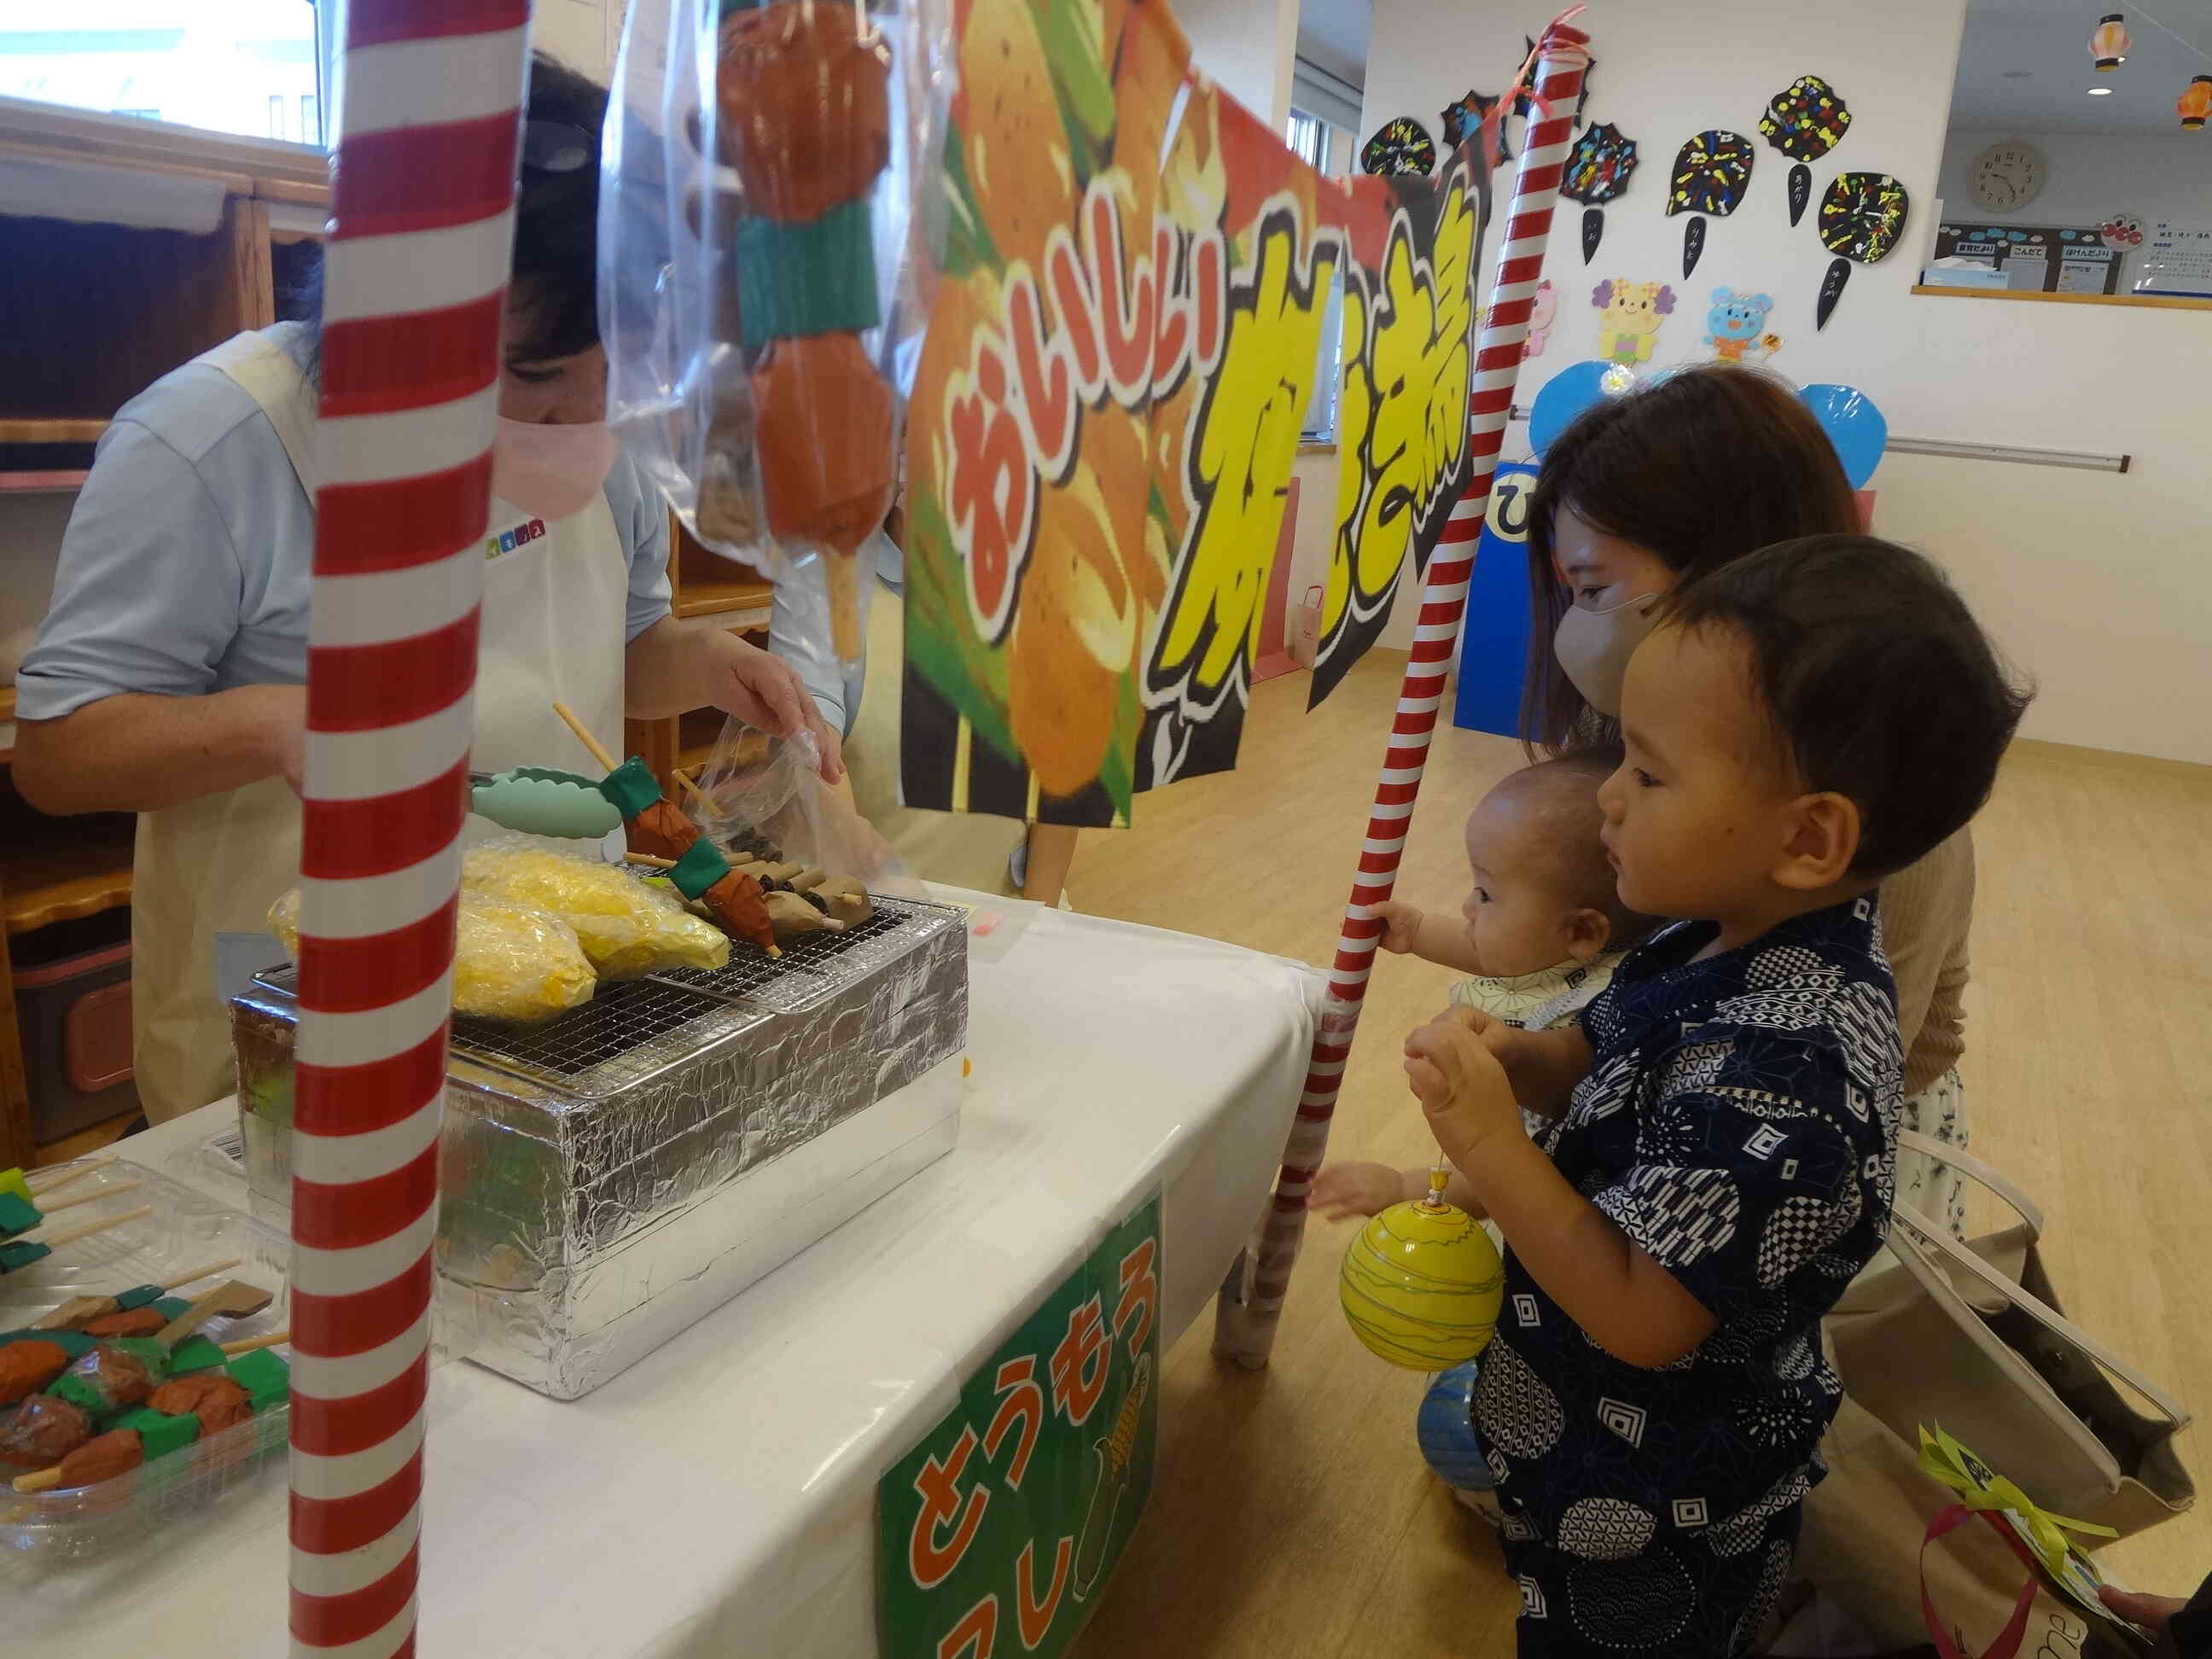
x,y
511,961
626,927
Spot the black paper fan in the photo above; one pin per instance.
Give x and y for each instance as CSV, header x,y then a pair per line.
x,y
1399,145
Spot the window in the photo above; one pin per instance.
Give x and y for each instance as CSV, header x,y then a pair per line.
x,y
1327,148
238,66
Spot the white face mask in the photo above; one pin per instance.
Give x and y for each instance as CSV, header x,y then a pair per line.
x,y
554,471
1592,647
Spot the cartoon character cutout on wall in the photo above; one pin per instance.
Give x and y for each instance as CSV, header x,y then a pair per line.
x,y
1861,218
1711,173
1805,120
1399,145
1543,310
2123,233
1629,315
1597,170
1735,323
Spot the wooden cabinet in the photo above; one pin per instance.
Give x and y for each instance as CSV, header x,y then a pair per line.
x,y
94,311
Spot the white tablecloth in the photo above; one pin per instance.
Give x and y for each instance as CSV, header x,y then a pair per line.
x,y
719,1497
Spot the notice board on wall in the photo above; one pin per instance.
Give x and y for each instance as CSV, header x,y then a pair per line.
x,y
2177,260
2035,258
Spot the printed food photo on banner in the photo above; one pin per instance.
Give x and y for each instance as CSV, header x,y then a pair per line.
x,y
1104,418
1029,571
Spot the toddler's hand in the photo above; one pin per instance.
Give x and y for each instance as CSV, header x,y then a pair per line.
x,y
1342,1190
1402,926
1462,1088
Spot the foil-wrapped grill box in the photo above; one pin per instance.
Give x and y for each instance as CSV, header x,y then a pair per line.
x,y
613,1175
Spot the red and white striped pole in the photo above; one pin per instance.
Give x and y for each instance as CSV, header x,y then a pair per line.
x,y
415,278
1251,1301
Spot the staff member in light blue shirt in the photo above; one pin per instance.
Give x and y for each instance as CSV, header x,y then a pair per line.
x,y
168,677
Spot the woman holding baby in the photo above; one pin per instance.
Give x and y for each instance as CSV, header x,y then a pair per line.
x,y
1676,1095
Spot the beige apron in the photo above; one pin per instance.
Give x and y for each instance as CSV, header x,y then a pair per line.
x,y
553,626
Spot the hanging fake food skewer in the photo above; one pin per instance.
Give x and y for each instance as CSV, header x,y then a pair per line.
x,y
804,94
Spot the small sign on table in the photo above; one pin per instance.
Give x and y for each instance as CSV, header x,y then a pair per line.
x,y
997,1534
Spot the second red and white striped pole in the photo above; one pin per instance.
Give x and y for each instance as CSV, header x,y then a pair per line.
x,y
414,284
1251,1301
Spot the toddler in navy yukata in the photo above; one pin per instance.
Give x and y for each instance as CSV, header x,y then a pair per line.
x,y
1718,1154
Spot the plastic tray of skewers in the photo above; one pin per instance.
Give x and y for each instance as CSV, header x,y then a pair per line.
x,y
142,1368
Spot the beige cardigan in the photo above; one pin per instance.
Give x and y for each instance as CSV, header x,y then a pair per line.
x,y
1926,909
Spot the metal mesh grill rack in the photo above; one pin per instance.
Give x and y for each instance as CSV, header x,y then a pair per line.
x,y
631,1030
817,964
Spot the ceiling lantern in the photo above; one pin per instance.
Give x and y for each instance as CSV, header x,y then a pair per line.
x,y
2108,46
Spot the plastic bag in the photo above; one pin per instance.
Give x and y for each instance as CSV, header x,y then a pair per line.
x,y
511,961
627,928
763,795
763,169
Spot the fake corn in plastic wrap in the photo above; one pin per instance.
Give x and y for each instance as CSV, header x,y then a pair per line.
x,y
511,961
626,927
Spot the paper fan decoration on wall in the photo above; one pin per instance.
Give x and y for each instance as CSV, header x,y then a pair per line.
x,y
1597,170
1463,119
1862,219
1805,120
1711,173
1399,145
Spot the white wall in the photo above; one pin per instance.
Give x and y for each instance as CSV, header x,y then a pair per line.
x,y
1248,46
582,34
2165,175
2089,579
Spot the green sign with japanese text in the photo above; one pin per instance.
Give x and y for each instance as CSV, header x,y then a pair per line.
x,y
996,1535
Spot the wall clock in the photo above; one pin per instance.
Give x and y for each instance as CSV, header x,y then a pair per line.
x,y
2006,176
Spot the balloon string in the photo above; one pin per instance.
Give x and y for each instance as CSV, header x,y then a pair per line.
x,y
1439,1178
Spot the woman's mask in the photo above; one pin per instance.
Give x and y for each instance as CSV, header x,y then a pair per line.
x,y
553,471
1592,648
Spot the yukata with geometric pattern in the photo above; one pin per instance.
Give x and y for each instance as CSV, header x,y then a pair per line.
x,y
1739,1123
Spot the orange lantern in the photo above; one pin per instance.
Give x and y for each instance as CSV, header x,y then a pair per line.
x,y
2108,46
2195,103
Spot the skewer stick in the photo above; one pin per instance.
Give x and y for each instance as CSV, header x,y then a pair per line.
x,y
583,736
689,787
208,1272
86,1230
88,1198
652,860
78,1173
231,1299
76,1310
232,1350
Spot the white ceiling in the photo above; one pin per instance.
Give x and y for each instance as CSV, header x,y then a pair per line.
x,y
2024,67
1333,35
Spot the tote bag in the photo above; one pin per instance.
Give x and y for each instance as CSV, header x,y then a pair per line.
x,y
1970,1336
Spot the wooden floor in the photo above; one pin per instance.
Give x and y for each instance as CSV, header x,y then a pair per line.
x,y
1291,1514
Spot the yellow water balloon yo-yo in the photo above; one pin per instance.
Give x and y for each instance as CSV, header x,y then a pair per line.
x,y
1422,1282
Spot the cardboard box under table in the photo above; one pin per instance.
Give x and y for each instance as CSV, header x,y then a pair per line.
x,y
612,1175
